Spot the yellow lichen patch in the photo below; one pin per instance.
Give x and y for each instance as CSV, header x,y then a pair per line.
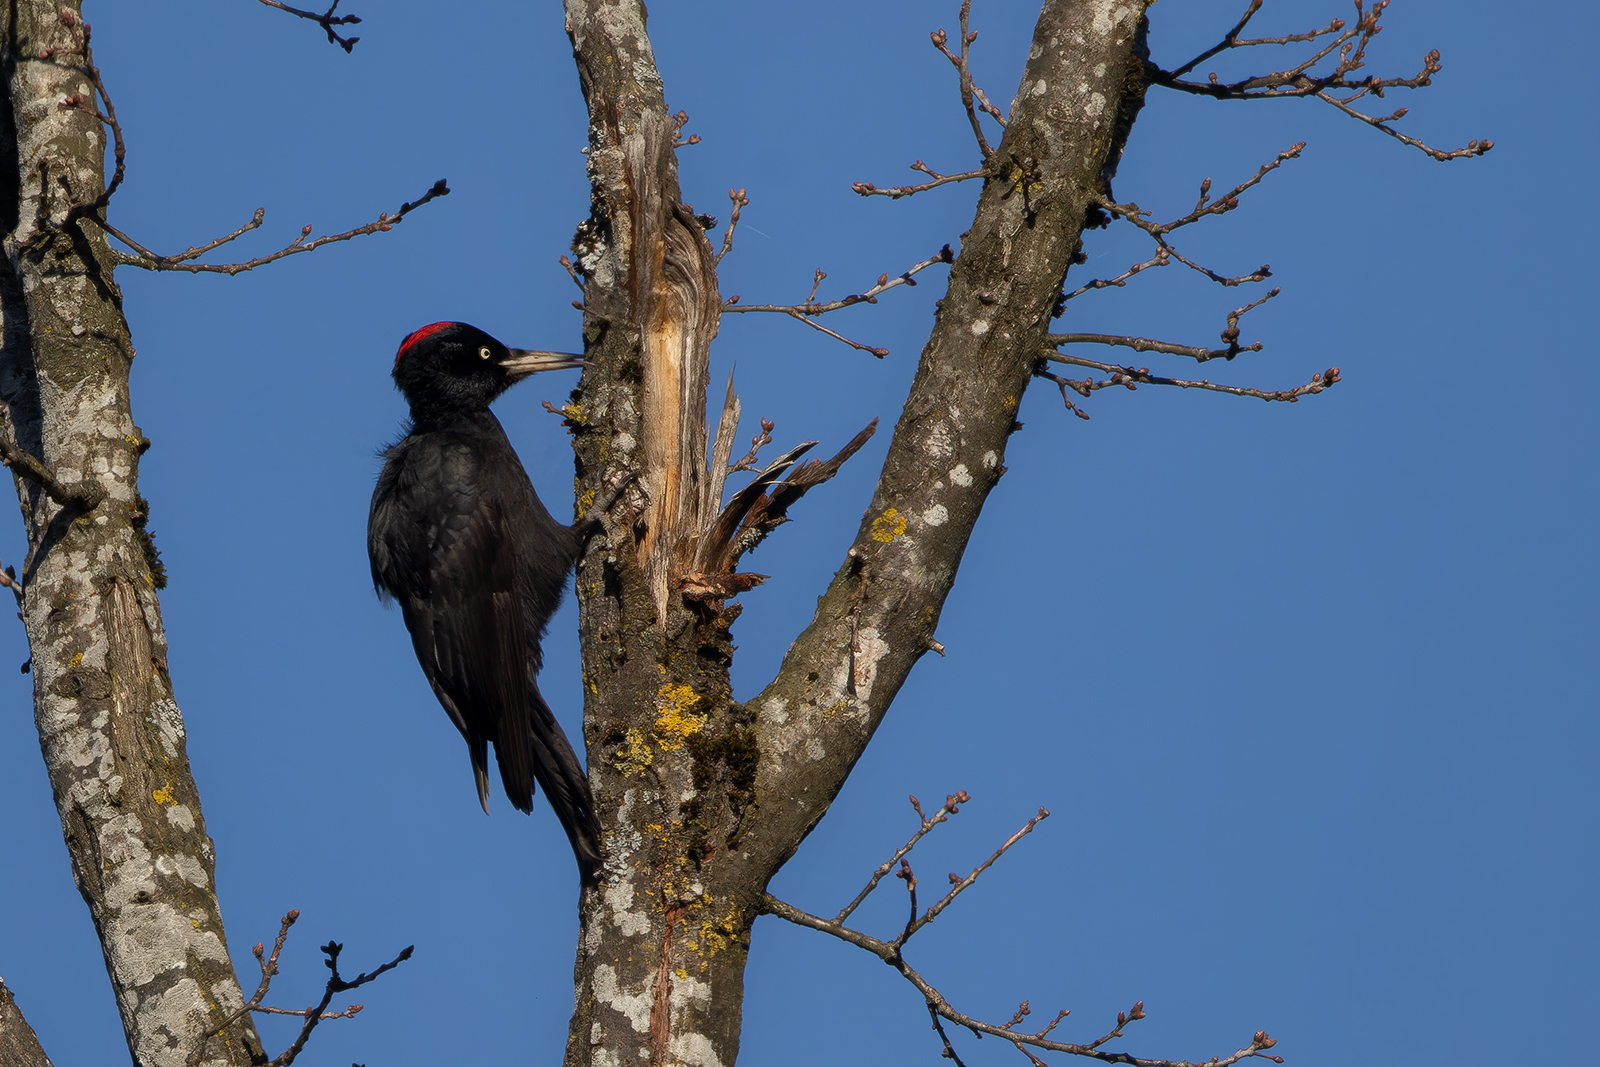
x,y
676,718
633,755
77,660
888,526
681,973
717,933
163,795
835,708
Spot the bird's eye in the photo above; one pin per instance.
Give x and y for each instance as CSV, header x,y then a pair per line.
x,y
484,353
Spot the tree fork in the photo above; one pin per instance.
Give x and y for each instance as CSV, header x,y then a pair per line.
x,y
679,770
111,733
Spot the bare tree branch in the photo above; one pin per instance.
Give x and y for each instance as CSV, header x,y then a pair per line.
x,y
326,20
148,260
1300,79
891,952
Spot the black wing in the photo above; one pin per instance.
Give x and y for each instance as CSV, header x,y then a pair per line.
x,y
442,545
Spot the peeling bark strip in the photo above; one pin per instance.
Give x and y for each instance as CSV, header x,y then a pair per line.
x,y
111,734
702,799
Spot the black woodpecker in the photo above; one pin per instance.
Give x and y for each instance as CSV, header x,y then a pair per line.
x,y
457,535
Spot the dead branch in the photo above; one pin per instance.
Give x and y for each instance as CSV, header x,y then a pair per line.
x,y
148,260
326,20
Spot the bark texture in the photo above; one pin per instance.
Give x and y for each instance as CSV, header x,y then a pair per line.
x,y
110,731
704,799
19,1046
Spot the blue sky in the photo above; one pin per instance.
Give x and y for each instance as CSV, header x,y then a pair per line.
x,y
1303,686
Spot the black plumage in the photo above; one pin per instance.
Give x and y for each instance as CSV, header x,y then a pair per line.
x,y
459,538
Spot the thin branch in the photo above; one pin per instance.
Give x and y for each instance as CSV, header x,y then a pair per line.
x,y
895,192
810,307
951,807
969,92
326,20
149,260
1474,148
961,886
940,1009
1132,377
1162,258
1204,206
739,201
315,1015
1351,43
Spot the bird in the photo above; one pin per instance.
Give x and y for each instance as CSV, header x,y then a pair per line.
x,y
458,537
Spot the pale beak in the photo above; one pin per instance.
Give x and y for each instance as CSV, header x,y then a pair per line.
x,y
520,362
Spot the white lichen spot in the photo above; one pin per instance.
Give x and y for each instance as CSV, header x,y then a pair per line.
x,y
937,515
980,327
696,1050
776,711
619,898
937,442
1099,70
1040,87
180,816
689,992
1095,105
961,476
990,460
625,442
814,750
635,1007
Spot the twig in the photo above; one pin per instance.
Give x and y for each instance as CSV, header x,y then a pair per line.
x,y
149,260
810,307
679,121
961,886
1132,377
951,807
326,20
940,1009
1474,148
1162,258
314,1015
1204,206
739,201
897,191
969,91
747,462
1351,43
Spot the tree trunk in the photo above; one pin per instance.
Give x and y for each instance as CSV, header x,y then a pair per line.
x,y
704,799
112,736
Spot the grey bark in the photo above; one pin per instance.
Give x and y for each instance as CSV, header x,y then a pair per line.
x,y
704,799
109,728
